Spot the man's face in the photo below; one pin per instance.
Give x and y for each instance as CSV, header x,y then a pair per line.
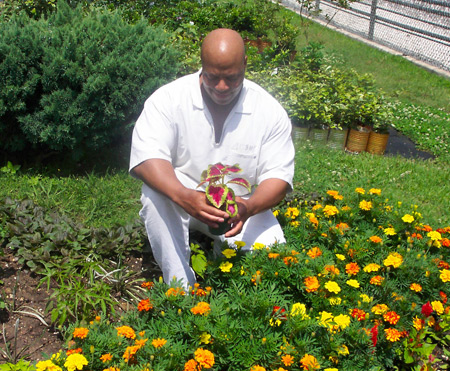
x,y
223,84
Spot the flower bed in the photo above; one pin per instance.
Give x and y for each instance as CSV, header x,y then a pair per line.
x,y
360,284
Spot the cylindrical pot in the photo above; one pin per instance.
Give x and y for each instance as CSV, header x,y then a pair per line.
x,y
337,138
223,228
357,140
299,133
377,143
318,135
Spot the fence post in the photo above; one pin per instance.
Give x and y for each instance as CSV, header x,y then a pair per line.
x,y
317,5
373,18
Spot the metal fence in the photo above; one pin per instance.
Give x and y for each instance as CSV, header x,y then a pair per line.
x,y
415,28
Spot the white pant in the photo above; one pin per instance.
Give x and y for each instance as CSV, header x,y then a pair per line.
x,y
168,226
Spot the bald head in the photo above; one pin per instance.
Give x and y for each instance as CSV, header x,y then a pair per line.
x,y
223,47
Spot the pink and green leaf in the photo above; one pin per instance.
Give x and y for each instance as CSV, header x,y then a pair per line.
x,y
242,182
216,194
232,208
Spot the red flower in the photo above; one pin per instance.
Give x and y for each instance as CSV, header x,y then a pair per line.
x,y
374,337
443,296
427,309
279,312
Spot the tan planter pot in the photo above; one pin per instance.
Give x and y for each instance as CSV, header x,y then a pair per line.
x,y
318,135
299,134
357,141
337,138
377,143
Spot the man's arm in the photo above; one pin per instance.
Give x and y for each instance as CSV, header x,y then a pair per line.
x,y
267,195
159,175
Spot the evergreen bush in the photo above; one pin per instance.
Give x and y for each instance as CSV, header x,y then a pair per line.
x,y
75,83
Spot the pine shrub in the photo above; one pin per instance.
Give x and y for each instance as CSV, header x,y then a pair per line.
x,y
74,83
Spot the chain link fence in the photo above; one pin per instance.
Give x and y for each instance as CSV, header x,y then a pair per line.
x,y
416,28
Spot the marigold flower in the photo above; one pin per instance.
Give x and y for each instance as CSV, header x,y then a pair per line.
x,y
317,207
289,260
294,223
389,231
443,296
372,267
312,219
330,210
311,283
147,285
276,213
361,191
239,244
205,338
365,205
343,350
445,242
359,314
352,268
366,298
437,307
201,308
73,351
340,256
375,191
198,291
325,319
309,362
204,357
342,320
47,365
332,269
392,334
126,331
407,218
106,357
130,352
226,266
80,333
145,305
394,259
434,236
445,275
299,309
376,280
287,360
391,317
273,255
314,252
342,227
417,323
353,283
258,246
256,278
75,362
175,291
335,195
375,239
380,309
335,301
140,342
415,287
229,253
257,368
291,212
192,365
332,286
112,368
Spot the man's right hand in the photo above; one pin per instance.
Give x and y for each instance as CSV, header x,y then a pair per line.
x,y
159,175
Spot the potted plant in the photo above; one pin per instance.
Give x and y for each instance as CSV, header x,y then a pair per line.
x,y
219,194
379,135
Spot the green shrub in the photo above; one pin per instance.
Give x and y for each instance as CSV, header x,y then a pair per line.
x,y
75,83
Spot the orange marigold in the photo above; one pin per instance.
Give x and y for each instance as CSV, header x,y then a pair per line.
x,y
415,287
391,317
309,362
273,255
192,365
375,239
376,280
311,283
159,343
287,359
145,305
74,351
332,269
392,334
359,314
289,260
106,357
201,308
80,333
204,357
352,268
342,227
175,291
130,352
314,252
126,331
445,242
147,285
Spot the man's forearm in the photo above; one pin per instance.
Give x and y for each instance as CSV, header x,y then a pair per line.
x,y
267,195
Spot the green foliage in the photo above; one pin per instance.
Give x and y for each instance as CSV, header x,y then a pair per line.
x,y
76,82
22,365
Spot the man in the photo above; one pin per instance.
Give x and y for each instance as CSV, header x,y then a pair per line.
x,y
212,116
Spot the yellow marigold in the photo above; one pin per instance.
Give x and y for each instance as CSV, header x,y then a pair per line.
x,y
437,307
335,301
380,309
392,334
226,266
309,362
287,360
353,283
325,319
375,239
126,331
407,218
375,191
239,244
257,368
299,309
140,342
389,231
332,286
201,308
258,246
317,207
331,369
130,352
330,210
312,219
417,323
361,191
445,275
372,267
204,357
192,365
343,350
340,256
106,357
376,280
314,252
365,205
111,368
291,212
175,291
335,195
80,332
47,366
342,320
75,362
276,213
394,259
273,255
366,298
229,253
294,223
311,283
415,287
434,236
159,343
352,268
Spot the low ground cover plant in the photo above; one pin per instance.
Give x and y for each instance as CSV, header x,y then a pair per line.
x,y
360,283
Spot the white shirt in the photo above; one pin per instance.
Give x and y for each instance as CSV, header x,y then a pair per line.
x,y
176,125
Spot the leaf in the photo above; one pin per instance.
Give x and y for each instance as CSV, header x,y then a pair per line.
x,y
242,182
199,263
216,194
232,208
